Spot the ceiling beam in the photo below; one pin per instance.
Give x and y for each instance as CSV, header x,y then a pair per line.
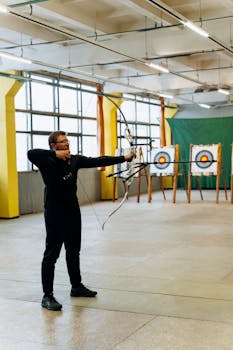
x,y
32,30
25,3
71,34
180,18
78,17
146,9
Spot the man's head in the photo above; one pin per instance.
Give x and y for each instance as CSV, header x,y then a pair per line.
x,y
58,141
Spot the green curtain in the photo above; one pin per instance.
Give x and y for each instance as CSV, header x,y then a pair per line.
x,y
204,132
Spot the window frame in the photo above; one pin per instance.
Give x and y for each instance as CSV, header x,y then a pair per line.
x,y
57,86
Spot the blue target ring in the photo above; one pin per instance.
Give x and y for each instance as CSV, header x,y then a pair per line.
x,y
204,159
162,160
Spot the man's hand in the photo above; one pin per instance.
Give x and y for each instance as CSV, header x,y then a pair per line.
x,y
129,157
63,154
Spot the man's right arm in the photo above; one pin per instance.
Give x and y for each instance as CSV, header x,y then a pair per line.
x,y
40,156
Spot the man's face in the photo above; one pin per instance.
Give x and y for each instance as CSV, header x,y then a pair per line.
x,y
62,143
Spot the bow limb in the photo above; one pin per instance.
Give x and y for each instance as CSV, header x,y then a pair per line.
x,y
129,138
128,134
116,209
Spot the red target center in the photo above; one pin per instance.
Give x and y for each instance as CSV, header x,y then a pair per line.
x,y
162,160
204,159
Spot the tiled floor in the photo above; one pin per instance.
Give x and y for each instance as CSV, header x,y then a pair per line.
x,y
163,272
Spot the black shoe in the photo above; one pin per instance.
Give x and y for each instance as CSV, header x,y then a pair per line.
x,y
82,291
50,303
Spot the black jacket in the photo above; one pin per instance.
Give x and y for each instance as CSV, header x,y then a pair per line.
x,y
60,177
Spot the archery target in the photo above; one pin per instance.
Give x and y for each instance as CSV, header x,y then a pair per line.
x,y
163,161
204,159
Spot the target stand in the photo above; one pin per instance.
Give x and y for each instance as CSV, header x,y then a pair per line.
x,y
165,162
205,160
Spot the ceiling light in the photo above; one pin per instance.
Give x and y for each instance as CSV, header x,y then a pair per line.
x,y
158,67
203,105
15,58
224,91
3,9
165,95
196,29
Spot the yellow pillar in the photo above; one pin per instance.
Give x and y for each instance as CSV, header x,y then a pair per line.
x,y
9,203
162,124
110,144
168,113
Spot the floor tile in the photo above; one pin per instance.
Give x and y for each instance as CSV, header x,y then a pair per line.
x,y
165,333
163,272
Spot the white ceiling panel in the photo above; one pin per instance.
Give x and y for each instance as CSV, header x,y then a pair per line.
x,y
114,41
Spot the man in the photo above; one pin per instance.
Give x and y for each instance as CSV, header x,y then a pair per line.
x,y
62,213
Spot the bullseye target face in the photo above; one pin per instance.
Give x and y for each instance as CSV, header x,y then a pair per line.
x,y
204,159
163,161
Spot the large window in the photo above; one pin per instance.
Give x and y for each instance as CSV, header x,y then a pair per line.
x,y
143,117
45,104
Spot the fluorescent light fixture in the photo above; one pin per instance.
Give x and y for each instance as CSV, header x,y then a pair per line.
x,y
158,67
165,95
224,91
15,58
203,105
195,28
3,9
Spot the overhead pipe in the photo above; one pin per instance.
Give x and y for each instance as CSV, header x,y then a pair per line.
x,y
71,34
157,3
80,37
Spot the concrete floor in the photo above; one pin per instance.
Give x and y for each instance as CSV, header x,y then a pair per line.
x,y
163,272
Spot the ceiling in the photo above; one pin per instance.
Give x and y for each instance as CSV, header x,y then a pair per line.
x,y
112,42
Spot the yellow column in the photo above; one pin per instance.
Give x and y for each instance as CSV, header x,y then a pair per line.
x,y
168,113
9,203
110,144
162,124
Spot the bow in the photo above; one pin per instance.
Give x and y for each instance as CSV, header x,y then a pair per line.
x,y
129,173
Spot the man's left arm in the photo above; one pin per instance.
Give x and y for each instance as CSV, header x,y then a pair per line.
x,y
89,162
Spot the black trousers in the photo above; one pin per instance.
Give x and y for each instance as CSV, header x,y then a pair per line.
x,y
62,226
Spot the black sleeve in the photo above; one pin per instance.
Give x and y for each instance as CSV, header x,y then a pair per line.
x,y
89,162
40,156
